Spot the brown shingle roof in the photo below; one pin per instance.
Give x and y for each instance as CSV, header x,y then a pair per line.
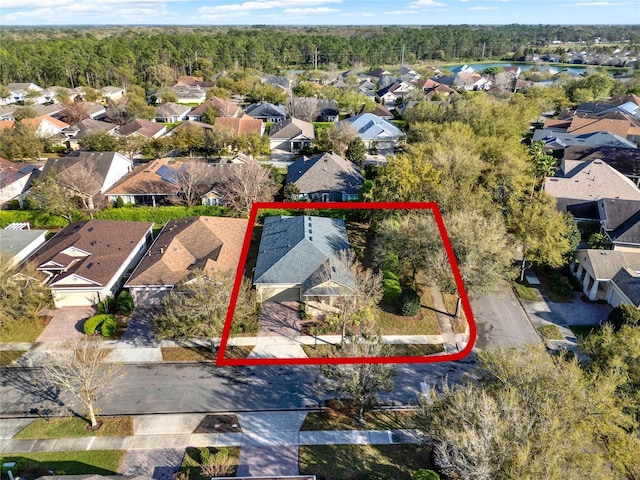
x,y
620,126
225,108
209,243
144,180
240,126
108,243
141,127
291,128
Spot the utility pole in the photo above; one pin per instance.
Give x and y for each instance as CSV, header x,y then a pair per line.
x,y
402,57
315,59
484,45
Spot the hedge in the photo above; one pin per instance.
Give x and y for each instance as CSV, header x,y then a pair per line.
x,y
37,218
159,214
409,303
124,303
391,287
92,324
109,326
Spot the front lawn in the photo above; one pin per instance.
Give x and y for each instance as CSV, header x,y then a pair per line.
x,y
550,332
34,465
346,462
7,357
76,427
25,330
526,293
324,350
388,322
187,354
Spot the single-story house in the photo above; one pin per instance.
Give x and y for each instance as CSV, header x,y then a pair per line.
x,y
560,141
625,288
112,93
291,135
223,108
299,260
376,131
267,112
77,132
620,222
17,242
625,160
596,268
84,263
46,126
143,128
244,125
16,178
171,112
326,178
20,92
203,243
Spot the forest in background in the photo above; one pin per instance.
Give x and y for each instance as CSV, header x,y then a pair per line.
x,y
99,56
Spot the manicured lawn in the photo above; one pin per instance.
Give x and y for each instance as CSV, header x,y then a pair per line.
x,y
324,350
7,357
346,462
34,465
25,330
341,415
193,458
550,332
526,293
425,323
238,352
76,427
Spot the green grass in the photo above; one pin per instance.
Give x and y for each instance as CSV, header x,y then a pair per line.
x,y
34,465
76,427
187,354
425,323
550,332
584,331
556,285
346,462
160,215
526,293
37,218
7,357
25,330
324,350
342,416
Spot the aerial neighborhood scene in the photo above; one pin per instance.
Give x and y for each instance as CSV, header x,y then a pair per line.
x,y
320,239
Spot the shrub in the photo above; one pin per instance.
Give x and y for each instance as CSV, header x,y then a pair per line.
x,y
376,476
109,326
391,287
92,324
561,285
424,474
106,306
624,314
118,203
124,303
409,302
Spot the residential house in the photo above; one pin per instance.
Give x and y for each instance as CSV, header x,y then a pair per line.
x,y
471,81
84,263
143,128
171,112
326,178
558,142
315,109
24,92
210,244
390,94
378,73
408,74
154,183
15,179
299,260
46,126
625,288
17,243
50,110
106,168
595,270
620,222
383,112
625,160
463,69
291,135
578,185
223,108
111,93
277,81
622,124
74,133
244,125
190,81
376,132
186,94
267,112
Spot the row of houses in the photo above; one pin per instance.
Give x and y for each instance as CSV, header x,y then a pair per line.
x,y
597,181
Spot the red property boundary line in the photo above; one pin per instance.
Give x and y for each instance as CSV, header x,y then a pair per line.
x,y
466,306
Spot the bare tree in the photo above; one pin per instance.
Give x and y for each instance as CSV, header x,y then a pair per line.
x,y
83,181
303,108
339,136
242,185
361,382
84,374
73,112
195,179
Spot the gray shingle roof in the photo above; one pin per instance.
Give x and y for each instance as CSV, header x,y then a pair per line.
x,y
325,173
372,127
301,250
628,281
604,264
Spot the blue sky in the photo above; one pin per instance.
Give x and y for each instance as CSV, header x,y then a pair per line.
x,y
316,12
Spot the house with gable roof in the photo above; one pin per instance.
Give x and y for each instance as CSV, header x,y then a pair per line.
x,y
171,112
299,260
291,135
376,131
15,179
143,128
85,262
326,178
267,112
184,245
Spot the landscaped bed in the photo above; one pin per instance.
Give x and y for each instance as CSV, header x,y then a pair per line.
x,y
193,461
76,427
34,465
324,350
526,293
224,423
550,332
346,462
201,354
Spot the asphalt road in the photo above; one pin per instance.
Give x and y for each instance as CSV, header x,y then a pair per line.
x,y
501,321
182,388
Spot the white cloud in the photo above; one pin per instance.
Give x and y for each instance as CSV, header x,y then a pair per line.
x,y
483,8
263,5
428,3
402,12
464,1
88,3
89,13
311,10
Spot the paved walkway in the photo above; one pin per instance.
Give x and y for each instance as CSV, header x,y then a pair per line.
x,y
66,324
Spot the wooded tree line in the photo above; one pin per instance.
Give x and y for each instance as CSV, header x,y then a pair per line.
x,y
97,56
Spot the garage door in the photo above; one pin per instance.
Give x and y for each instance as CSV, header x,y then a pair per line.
x,y
274,294
148,297
615,298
